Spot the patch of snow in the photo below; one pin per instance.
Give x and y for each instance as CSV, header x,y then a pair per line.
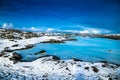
x,y
56,70
22,43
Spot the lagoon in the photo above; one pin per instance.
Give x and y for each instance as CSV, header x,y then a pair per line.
x,y
86,48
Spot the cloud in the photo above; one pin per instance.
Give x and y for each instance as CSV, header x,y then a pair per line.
x,y
73,31
80,29
97,30
37,29
32,29
87,30
84,31
93,30
49,30
7,26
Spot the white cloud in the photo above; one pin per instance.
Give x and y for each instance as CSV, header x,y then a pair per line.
x,y
73,31
91,30
88,30
50,29
84,31
80,29
94,30
32,29
7,26
45,29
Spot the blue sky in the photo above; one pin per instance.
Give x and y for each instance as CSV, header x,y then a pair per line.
x,y
62,14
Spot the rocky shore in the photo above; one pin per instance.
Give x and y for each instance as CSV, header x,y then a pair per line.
x,y
48,67
107,36
18,34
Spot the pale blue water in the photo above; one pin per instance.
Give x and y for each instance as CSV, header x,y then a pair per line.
x,y
88,49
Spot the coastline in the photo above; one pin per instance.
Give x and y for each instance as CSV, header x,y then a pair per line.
x,y
48,68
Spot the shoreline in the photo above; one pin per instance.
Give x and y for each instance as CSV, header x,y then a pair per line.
x,y
51,67
30,43
72,68
58,69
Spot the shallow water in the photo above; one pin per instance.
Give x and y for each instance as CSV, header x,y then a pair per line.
x,y
88,49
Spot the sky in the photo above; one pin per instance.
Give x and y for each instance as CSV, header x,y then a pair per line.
x,y
99,16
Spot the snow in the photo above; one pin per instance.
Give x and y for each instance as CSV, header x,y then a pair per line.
x,y
46,68
22,43
55,70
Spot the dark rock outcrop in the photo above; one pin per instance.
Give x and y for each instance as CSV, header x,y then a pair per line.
x,y
56,58
72,39
104,62
28,46
11,40
53,57
53,41
75,59
103,65
7,49
2,53
95,69
16,57
40,52
87,68
15,45
45,56
109,50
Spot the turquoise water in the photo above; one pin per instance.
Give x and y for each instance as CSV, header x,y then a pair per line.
x,y
88,49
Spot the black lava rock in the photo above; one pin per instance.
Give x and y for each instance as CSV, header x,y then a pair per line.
x,y
75,59
56,58
53,41
16,57
53,57
40,52
95,69
7,49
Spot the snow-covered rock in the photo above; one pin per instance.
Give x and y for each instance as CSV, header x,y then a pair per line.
x,y
24,42
45,69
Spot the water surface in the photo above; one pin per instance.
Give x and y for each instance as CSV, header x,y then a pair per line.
x,y
88,49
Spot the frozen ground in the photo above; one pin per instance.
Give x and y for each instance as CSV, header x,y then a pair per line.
x,y
22,43
48,69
